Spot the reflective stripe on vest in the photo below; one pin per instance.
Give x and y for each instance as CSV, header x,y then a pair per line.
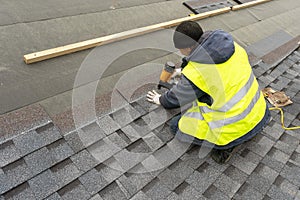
x,y
235,99
196,115
220,123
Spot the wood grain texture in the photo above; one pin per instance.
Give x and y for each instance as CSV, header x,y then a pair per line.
x,y
249,4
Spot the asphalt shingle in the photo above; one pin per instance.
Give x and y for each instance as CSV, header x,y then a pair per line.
x,y
127,159
275,131
181,169
49,133
119,139
165,155
247,192
186,192
90,134
278,155
242,164
250,156
156,117
236,174
54,196
84,161
110,169
28,142
261,145
227,185
65,172
108,125
207,174
6,184
129,134
164,133
140,126
33,140
156,190
148,107
21,192
152,164
259,183
74,191
60,150
125,115
266,172
140,196
285,186
96,197
292,141
43,184
8,153
295,158
15,174
74,141
276,193
272,163
39,160
112,191
138,108
93,181
135,181
102,150
284,147
139,146
169,179
291,172
191,157
214,193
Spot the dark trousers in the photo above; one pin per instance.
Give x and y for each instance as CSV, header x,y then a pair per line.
x,y
192,140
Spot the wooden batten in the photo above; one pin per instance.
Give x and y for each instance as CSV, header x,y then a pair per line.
x,y
249,4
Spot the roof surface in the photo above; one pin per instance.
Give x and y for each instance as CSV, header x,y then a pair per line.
x,y
51,150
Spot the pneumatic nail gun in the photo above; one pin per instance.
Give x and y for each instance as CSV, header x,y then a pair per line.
x,y
167,76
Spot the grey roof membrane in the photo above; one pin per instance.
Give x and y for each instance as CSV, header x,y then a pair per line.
x,y
129,153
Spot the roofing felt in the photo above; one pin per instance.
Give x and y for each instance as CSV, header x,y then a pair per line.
x,y
23,84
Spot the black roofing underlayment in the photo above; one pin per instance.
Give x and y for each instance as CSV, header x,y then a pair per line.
x,y
243,1
201,6
131,154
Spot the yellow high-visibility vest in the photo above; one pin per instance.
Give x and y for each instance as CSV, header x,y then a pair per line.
x,y
238,104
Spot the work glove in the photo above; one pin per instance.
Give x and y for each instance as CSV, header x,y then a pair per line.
x,y
177,72
153,97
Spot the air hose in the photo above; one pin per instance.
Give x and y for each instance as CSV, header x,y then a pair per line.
x,y
282,119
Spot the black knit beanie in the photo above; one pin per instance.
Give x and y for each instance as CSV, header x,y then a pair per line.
x,y
187,34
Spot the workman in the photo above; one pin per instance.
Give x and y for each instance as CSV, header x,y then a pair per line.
x,y
227,106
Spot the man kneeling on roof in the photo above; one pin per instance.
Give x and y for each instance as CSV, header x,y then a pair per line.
x,y
228,107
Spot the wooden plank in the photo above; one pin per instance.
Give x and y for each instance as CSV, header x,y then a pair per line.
x,y
71,48
249,4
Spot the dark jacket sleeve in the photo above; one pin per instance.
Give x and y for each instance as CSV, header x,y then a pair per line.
x,y
182,93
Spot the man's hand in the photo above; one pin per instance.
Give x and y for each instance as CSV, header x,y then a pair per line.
x,y
153,97
177,72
